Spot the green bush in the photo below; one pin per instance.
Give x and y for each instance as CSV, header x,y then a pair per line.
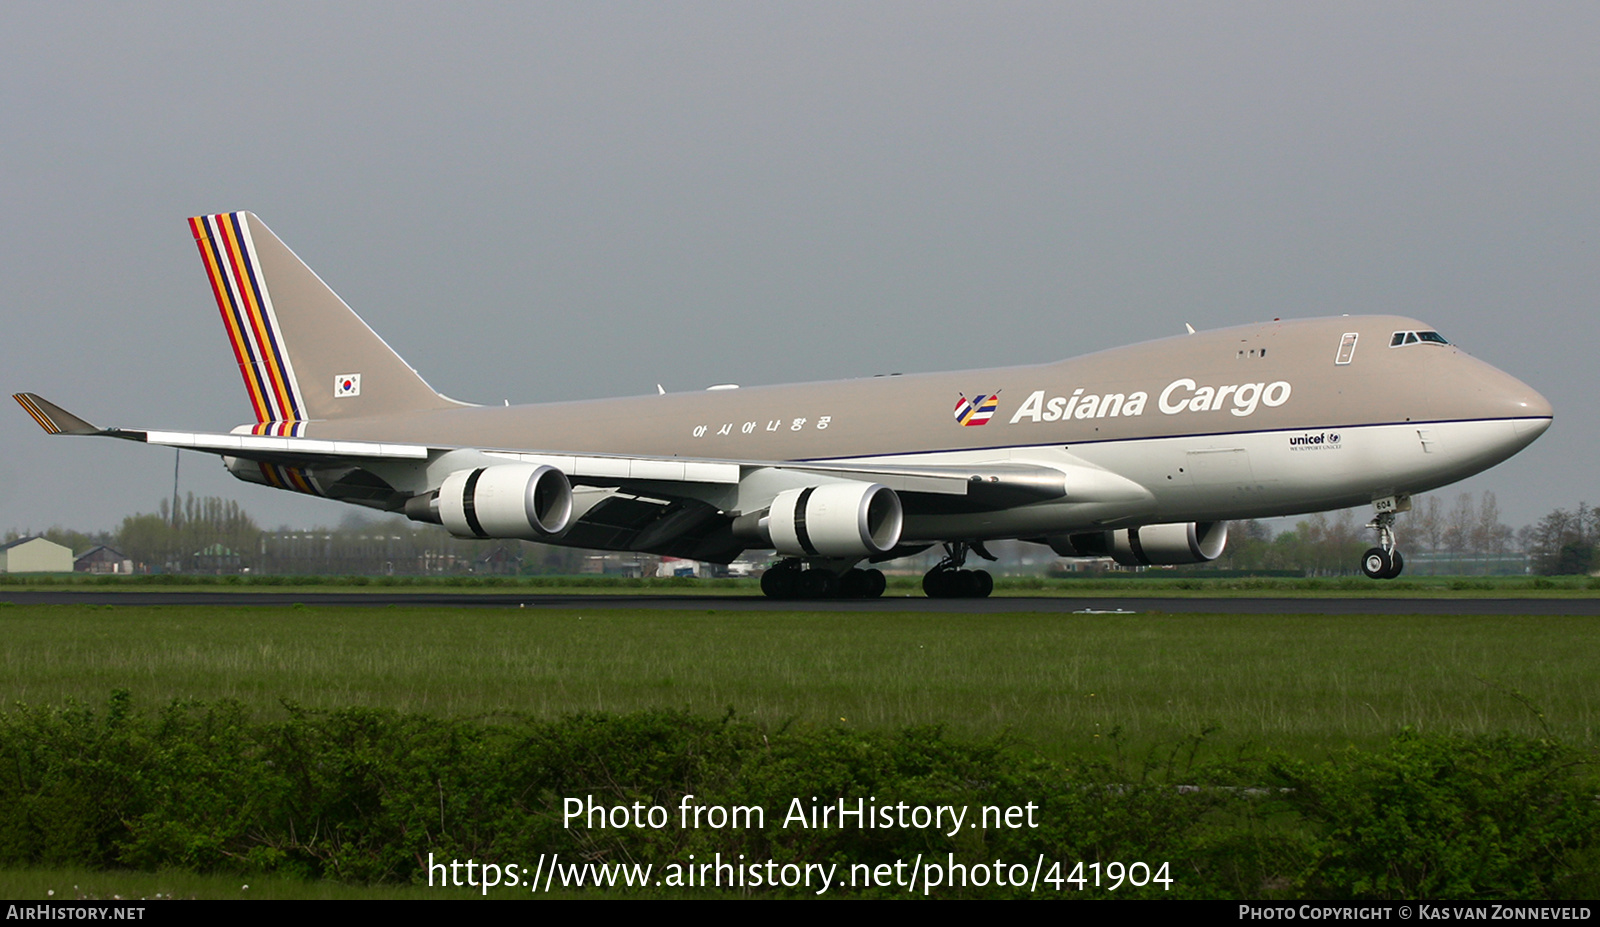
x,y
1442,817
366,795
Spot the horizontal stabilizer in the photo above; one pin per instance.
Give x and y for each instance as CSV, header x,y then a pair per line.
x,y
52,418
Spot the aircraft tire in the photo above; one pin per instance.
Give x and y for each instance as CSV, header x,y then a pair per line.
x,y
876,584
818,584
1396,567
957,584
1376,563
780,582
862,584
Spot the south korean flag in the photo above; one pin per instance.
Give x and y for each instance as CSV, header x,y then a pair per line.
x,y
346,385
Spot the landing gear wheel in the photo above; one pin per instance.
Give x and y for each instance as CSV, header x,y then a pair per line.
x,y
1376,563
945,583
818,584
862,584
780,582
949,581
1384,561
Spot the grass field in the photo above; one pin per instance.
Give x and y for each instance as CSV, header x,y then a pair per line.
x,y
79,885
1150,583
1064,683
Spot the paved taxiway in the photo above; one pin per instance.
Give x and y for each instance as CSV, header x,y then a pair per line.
x,y
1371,605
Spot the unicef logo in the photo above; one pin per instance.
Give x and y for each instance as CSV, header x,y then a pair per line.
x,y
1321,441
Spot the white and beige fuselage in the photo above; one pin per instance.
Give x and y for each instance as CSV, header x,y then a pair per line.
x,y
1248,422
1262,420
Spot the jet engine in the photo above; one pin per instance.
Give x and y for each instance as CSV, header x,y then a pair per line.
x,y
533,503
1150,545
831,520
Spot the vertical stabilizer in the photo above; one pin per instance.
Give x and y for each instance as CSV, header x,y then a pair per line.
x,y
304,355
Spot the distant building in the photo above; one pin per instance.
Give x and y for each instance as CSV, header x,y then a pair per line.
x,y
672,566
615,564
216,559
35,555
502,561
103,559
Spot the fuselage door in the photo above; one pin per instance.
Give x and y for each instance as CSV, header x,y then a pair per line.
x,y
1347,348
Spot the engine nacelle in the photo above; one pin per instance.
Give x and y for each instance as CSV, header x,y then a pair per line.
x,y
834,520
1150,545
532,503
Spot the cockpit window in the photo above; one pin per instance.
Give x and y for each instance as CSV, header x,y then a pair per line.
x,y
1402,338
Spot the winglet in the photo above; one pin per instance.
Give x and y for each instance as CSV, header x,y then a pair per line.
x,y
52,418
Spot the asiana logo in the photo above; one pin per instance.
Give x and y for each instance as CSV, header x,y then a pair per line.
x,y
1322,441
971,412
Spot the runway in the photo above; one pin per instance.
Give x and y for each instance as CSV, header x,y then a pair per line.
x,y
1330,605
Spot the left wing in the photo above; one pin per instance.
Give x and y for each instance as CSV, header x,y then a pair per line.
x,y
678,506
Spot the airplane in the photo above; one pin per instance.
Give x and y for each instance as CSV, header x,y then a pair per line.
x,y
1141,453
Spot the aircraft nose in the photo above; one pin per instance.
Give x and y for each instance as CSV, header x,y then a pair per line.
x,y
1524,401
1493,396
1498,394
1510,398
1536,404
1537,410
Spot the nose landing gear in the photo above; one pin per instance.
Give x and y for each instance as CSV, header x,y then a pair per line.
x,y
1383,561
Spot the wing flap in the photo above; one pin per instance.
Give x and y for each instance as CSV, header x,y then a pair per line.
x,y
252,446
992,485
622,470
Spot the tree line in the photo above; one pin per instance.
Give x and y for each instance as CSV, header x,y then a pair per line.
x,y
1563,542
1439,536
214,535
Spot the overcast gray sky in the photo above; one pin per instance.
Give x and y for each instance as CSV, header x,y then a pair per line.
x,y
555,201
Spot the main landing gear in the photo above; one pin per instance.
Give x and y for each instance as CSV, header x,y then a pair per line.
x,y
1383,561
797,578
788,580
949,581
